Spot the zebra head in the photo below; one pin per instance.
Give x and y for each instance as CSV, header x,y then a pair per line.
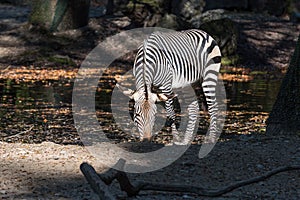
x,y
144,110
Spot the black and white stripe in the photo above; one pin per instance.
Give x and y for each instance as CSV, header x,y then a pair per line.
x,y
174,60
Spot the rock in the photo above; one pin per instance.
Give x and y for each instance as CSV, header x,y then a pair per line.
x,y
153,20
96,12
276,7
219,25
295,14
226,4
185,11
225,33
257,5
14,2
169,21
273,7
260,166
118,6
143,13
207,17
295,17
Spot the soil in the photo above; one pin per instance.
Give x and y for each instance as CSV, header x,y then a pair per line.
x,y
265,42
51,171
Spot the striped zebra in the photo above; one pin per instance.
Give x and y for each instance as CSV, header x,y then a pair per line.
x,y
166,61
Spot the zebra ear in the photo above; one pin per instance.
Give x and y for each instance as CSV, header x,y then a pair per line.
x,y
162,97
126,91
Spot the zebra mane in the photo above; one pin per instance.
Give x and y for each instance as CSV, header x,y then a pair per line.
x,y
144,68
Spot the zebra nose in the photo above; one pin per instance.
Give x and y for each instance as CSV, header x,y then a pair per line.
x,y
147,139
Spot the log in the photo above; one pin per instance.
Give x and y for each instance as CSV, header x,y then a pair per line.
x,y
98,186
200,190
133,189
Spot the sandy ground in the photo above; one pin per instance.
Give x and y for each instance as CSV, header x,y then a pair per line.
x,y
51,171
42,171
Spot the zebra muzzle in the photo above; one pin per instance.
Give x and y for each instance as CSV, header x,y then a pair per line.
x,y
146,138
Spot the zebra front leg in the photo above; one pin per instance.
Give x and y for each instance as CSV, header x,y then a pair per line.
x,y
171,114
193,112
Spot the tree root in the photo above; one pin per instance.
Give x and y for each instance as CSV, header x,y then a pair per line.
x,y
99,182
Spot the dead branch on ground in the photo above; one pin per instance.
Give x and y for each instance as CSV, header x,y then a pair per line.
x,y
99,182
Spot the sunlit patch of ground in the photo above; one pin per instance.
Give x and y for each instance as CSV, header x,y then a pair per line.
x,y
31,74
31,120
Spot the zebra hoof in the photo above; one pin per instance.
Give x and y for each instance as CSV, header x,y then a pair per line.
x,y
210,140
181,143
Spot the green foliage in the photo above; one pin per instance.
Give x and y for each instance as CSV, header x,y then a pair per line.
x,y
154,4
230,60
61,60
290,8
255,73
41,13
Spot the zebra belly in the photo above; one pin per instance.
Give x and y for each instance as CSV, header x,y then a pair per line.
x,y
181,83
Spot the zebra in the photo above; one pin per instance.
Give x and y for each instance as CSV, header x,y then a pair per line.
x,y
169,60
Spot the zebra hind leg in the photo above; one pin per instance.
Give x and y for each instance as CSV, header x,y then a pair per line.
x,y
209,88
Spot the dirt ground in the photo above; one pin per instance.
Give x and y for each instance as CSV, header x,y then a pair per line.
x,y
51,171
265,42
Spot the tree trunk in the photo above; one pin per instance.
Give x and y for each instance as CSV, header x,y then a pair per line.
x,y
110,7
285,115
59,15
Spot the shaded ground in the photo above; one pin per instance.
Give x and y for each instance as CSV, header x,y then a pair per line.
x,y
266,43
51,171
23,45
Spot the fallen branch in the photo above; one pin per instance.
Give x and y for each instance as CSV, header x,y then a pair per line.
x,y
135,188
212,192
255,179
99,187
21,133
